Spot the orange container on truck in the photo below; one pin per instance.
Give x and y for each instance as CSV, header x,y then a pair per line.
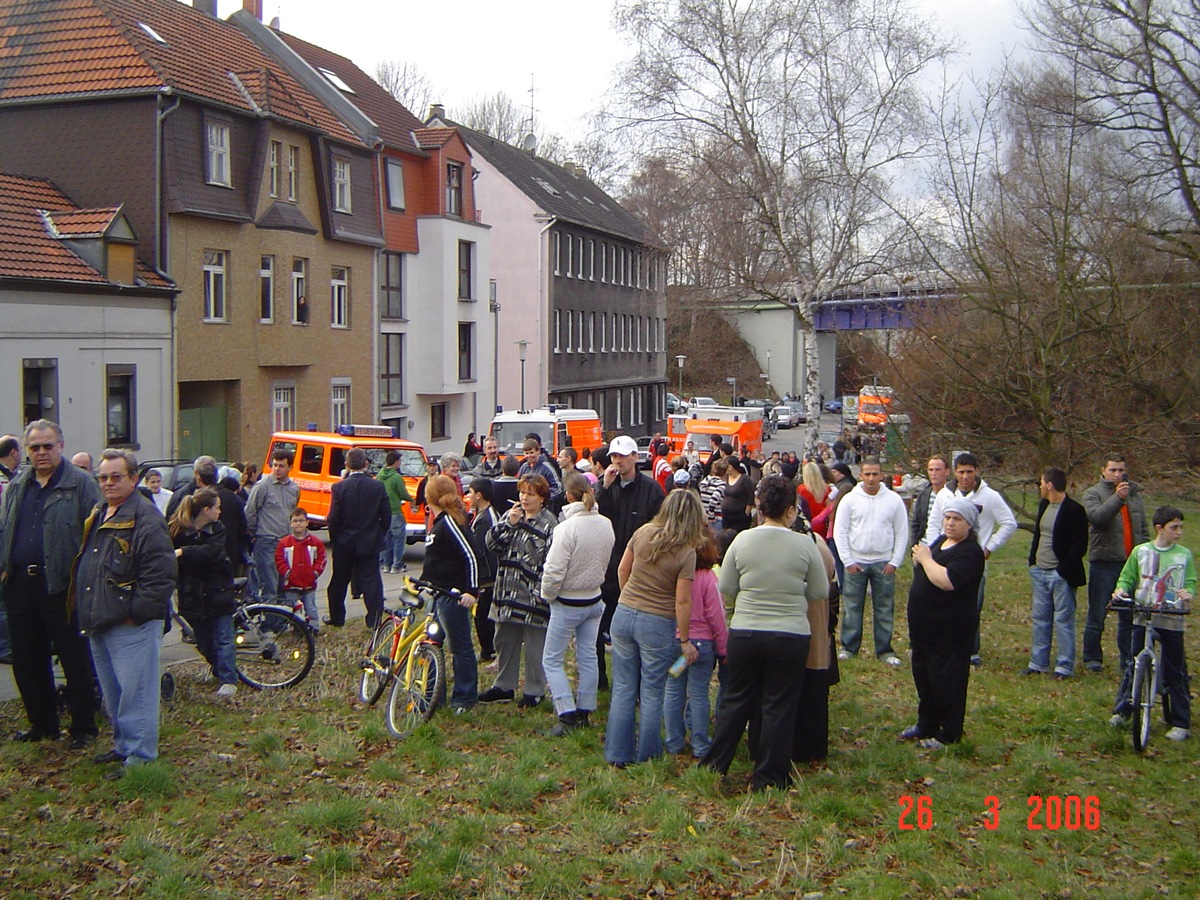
x,y
741,426
556,427
875,404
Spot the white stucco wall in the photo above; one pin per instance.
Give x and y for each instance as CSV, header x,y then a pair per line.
x,y
434,312
85,333
773,330
518,265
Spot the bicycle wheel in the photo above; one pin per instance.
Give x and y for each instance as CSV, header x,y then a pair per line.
x,y
1143,701
414,700
275,647
373,682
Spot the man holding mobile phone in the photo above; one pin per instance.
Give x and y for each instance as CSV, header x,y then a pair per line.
x,y
1116,524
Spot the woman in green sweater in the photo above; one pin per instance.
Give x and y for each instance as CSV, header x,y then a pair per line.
x,y
776,581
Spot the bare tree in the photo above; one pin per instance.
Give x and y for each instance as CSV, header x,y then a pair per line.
x,y
408,84
1137,74
799,116
1058,342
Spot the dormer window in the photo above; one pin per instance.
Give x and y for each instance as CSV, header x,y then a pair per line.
x,y
334,79
341,185
218,154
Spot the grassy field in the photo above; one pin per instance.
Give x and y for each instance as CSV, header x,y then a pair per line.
x,y
303,794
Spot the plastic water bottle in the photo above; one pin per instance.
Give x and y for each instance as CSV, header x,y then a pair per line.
x,y
679,666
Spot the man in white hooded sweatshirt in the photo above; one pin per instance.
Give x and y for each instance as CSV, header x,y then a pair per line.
x,y
871,534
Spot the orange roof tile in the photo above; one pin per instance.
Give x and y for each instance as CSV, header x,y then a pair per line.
x,y
434,137
73,48
80,223
28,248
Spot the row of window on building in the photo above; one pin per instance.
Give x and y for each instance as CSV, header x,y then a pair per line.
x,y
283,172
217,293
620,409
391,362
590,260
283,405
576,331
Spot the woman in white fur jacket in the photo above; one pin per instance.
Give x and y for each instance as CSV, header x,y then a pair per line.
x,y
571,579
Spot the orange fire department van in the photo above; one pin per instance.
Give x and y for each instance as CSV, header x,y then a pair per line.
x,y
320,458
740,426
557,427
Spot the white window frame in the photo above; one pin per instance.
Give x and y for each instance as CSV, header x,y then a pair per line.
x,y
273,166
293,172
339,403
266,282
557,253
570,256
591,259
603,263
341,186
300,289
570,331
394,175
591,332
558,331
216,286
283,407
339,297
217,141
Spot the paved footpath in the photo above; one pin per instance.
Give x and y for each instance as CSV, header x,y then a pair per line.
x,y
175,651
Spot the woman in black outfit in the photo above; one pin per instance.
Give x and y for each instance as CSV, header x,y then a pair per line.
x,y
738,499
942,618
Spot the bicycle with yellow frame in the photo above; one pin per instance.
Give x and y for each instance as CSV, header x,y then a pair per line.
x,y
408,656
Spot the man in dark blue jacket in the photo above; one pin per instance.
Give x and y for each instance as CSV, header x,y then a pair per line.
x,y
1056,569
360,515
41,526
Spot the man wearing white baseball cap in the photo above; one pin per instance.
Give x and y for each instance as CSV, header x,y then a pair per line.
x,y
629,499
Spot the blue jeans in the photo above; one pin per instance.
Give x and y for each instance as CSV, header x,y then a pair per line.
x,y
691,690
854,597
1053,605
394,542
307,603
457,622
583,624
127,664
643,648
1102,581
265,573
1177,704
214,638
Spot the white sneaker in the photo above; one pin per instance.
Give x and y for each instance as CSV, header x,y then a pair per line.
x,y
931,743
1118,721
1178,734
226,691
892,660
845,654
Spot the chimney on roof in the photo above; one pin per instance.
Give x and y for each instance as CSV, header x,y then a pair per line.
x,y
581,171
437,111
569,165
254,7
208,7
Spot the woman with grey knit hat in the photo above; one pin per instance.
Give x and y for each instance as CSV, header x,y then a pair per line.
x,y
942,618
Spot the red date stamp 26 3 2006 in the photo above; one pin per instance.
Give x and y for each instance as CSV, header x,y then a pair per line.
x,y
1045,813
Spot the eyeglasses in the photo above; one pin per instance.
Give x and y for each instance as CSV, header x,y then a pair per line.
x,y
103,478
35,448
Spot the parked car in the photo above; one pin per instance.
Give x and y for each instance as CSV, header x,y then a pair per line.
x,y
800,410
703,401
175,473
785,416
833,406
643,451
675,404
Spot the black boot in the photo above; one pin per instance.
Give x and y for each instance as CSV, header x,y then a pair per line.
x,y
567,722
581,718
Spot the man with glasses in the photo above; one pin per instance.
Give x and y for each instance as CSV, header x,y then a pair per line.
x,y
122,588
41,528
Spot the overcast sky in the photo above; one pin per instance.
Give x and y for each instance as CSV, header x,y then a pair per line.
x,y
567,50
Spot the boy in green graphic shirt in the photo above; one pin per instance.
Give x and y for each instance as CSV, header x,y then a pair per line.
x,y
1160,574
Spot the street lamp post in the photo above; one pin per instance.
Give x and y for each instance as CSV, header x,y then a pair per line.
x,y
680,359
522,348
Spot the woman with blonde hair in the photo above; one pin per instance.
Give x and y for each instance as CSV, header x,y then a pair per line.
x,y
814,491
655,575
571,579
